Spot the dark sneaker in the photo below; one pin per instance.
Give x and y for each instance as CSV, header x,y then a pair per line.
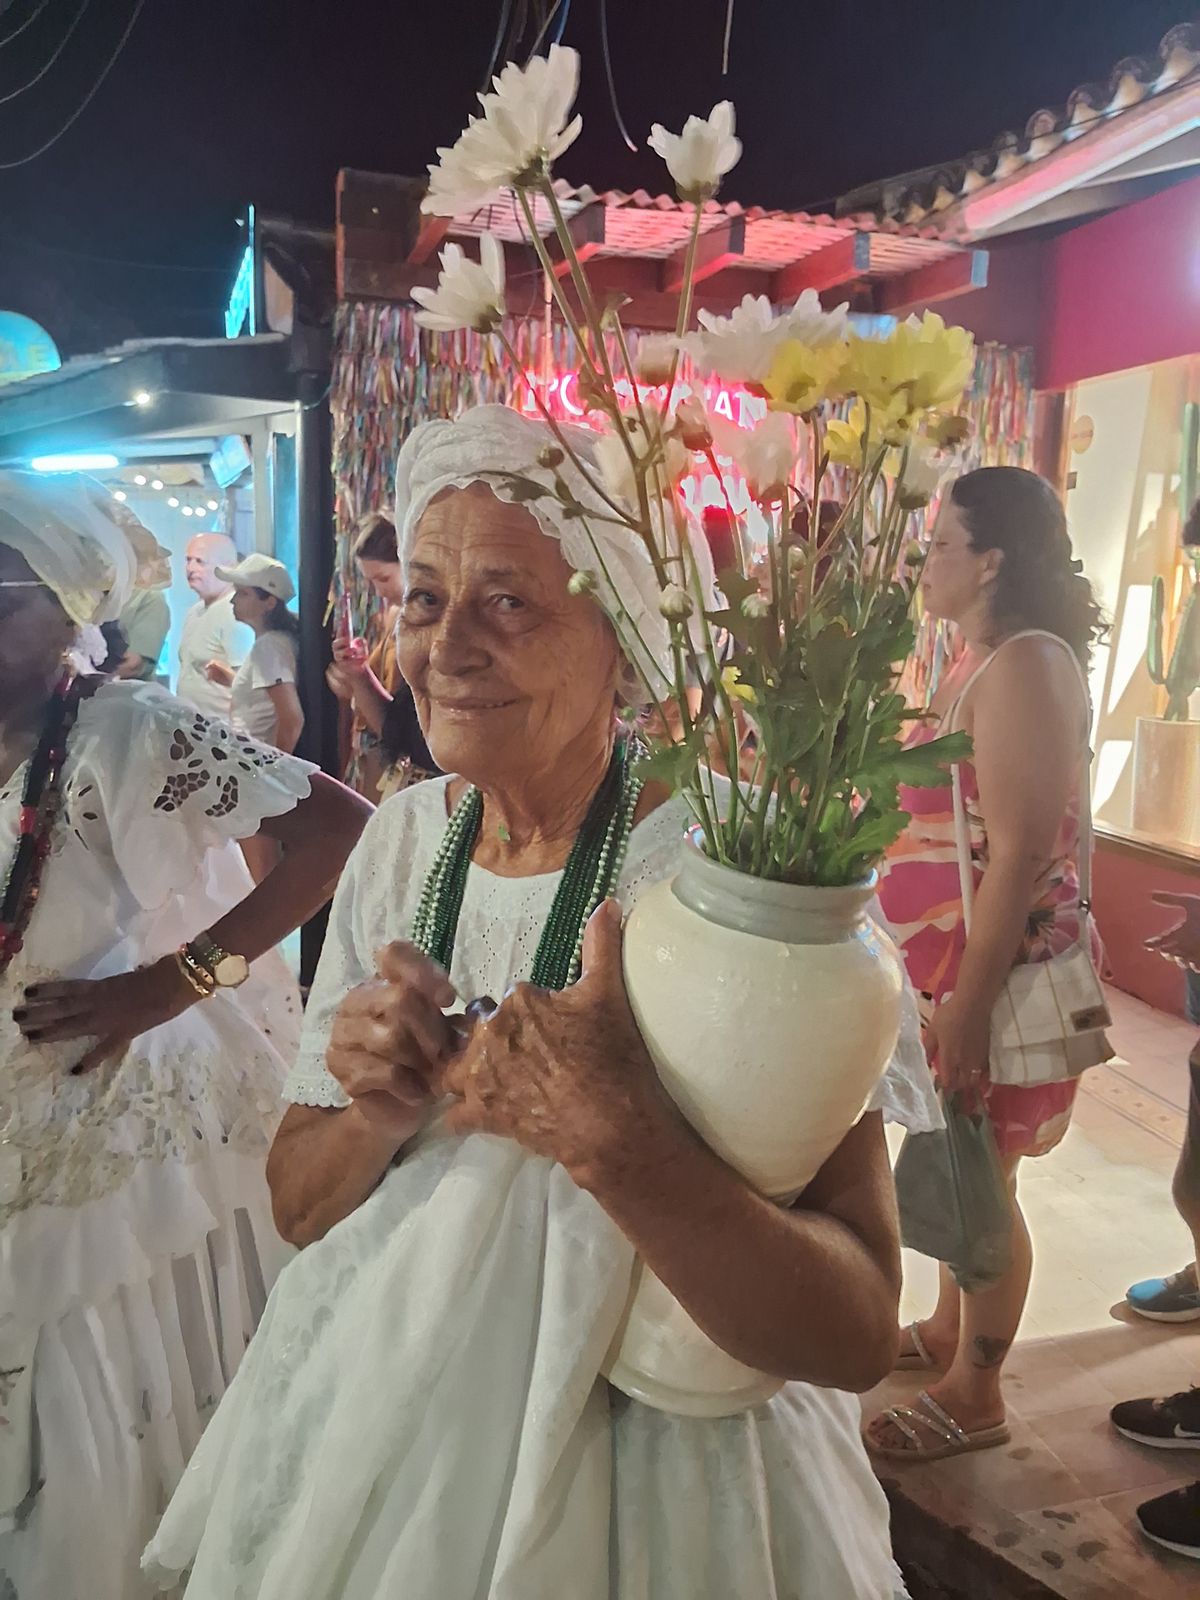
x,y
1173,1520
1170,1424
1173,1299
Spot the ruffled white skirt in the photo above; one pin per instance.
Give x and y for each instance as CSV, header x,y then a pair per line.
x,y
420,1414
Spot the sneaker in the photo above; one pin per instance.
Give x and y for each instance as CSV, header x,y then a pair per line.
x,y
1170,1424
1173,1299
1173,1520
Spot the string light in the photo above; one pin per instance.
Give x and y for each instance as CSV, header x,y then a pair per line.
x,y
140,479
188,512
156,484
172,502
119,494
213,506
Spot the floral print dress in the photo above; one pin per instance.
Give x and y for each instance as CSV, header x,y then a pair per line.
x,y
922,900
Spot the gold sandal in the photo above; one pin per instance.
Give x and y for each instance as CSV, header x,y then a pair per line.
x,y
937,1421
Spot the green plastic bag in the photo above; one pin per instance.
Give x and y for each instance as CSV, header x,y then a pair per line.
x,y
954,1199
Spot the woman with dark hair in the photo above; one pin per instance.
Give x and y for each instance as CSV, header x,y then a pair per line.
x,y
264,701
1000,567
390,738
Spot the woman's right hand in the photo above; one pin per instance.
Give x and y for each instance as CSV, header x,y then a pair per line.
x,y
390,1040
350,656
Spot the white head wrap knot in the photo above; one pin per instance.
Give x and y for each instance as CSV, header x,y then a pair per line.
x,y
92,551
490,444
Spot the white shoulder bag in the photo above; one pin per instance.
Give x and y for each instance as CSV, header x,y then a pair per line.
x,y
1049,1020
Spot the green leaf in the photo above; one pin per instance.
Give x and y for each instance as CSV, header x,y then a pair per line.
x,y
921,766
831,657
672,764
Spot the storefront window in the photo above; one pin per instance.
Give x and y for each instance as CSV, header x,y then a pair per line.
x,y
1131,478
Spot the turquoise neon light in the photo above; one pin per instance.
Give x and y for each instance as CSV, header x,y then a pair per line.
x,y
94,461
239,311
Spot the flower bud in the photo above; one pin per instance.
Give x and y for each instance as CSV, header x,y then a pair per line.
x,y
655,359
691,425
675,604
582,582
550,456
913,554
756,606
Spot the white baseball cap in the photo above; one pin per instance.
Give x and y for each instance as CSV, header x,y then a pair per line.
x,y
259,572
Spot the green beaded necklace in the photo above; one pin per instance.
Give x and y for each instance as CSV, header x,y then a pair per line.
x,y
592,869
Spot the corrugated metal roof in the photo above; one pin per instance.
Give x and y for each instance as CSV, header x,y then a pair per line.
x,y
918,198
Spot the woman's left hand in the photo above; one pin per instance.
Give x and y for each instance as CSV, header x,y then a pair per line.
x,y
957,1040
113,1011
566,1074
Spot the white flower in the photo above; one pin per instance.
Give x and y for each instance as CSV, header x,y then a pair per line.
x,y
765,454
469,294
618,471
741,347
522,131
676,604
700,156
756,606
655,358
919,479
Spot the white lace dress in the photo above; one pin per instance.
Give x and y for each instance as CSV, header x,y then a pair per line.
x,y
420,1414
136,1241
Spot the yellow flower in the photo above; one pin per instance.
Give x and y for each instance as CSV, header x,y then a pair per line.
x,y
844,440
921,366
735,689
802,375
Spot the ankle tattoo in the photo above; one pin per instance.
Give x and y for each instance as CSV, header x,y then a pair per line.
x,y
989,1352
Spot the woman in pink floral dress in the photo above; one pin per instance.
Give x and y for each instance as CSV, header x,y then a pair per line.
x,y
1000,568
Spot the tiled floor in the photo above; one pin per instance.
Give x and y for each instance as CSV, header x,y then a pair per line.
x,y
1058,1500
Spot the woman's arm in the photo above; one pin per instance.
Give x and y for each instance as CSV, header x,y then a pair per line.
x,y
325,1161
1026,733
810,1293
289,716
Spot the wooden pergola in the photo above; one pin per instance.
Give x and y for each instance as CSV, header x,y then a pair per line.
x,y
635,245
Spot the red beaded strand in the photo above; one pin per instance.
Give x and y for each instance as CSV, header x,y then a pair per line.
x,y
41,801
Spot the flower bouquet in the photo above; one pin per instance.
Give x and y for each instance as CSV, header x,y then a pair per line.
x,y
780,721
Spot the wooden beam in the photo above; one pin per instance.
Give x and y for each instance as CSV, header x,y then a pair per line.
x,y
721,247
829,268
430,233
941,280
587,229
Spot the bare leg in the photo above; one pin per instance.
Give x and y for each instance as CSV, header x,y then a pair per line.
x,y
970,1390
939,1332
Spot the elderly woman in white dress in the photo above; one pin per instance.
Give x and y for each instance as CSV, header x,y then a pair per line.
x,y
422,1412
136,1238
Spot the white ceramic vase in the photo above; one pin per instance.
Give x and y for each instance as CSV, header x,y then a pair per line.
x,y
1166,780
771,1011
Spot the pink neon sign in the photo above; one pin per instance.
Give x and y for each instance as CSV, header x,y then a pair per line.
x,y
560,395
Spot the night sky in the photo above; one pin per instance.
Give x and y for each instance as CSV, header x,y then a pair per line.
x,y
214,103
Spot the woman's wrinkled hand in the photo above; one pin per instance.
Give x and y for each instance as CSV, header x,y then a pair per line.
x,y
390,1041
113,1011
567,1075
957,1041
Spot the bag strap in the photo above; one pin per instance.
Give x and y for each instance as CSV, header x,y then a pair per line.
x,y
962,837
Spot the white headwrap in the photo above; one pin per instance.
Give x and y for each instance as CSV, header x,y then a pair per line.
x,y
80,542
488,441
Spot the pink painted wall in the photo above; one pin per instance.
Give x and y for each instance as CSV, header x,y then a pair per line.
x,y
1123,291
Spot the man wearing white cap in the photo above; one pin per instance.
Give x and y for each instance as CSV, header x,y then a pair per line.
x,y
210,631
263,699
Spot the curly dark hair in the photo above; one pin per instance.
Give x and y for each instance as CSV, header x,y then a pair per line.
x,y
1038,584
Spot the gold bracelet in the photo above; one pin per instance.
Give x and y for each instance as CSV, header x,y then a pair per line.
x,y
201,980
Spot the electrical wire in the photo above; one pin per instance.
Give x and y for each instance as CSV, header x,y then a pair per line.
x,y
559,5
608,73
498,45
62,45
9,166
28,23
728,36
108,261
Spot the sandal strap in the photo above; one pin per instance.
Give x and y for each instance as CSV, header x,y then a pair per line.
x,y
947,1424
918,1343
899,1414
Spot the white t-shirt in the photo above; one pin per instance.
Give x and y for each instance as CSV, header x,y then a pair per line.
x,y
210,633
272,661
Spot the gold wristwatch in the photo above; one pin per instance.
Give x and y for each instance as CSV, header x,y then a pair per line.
x,y
227,971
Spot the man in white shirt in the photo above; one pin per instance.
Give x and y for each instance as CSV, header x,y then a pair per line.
x,y
210,631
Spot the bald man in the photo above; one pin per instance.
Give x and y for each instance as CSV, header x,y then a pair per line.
x,y
210,631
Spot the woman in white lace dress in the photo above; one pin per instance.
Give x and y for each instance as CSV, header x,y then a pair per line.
x,y
136,1239
421,1413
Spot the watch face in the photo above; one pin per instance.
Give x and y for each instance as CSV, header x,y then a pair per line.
x,y
230,971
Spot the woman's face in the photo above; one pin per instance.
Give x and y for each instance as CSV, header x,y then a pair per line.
x,y
956,577
251,606
510,673
35,632
386,579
